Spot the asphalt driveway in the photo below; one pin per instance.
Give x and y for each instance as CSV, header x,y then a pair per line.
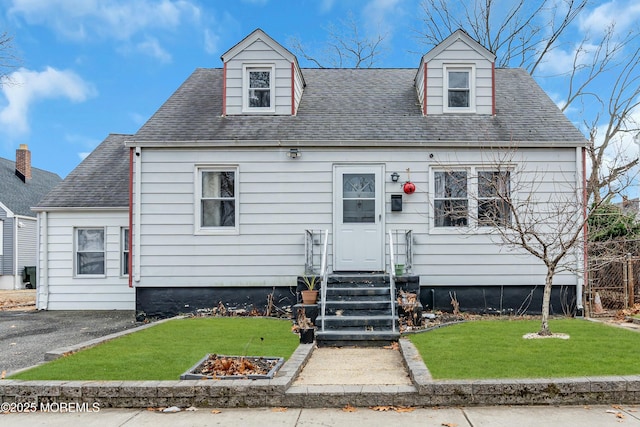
x,y
25,336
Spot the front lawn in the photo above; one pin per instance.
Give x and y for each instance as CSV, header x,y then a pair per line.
x,y
167,350
492,349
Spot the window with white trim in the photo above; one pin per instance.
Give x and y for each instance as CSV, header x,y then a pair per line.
x,y
217,199
258,89
451,205
124,241
459,89
90,252
494,191
471,196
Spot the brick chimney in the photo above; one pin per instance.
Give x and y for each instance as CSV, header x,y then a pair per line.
x,y
23,162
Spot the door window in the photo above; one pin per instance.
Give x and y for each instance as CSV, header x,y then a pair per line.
x,y
359,198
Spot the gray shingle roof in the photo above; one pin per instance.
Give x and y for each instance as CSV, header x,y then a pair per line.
x,y
360,105
338,105
101,180
20,196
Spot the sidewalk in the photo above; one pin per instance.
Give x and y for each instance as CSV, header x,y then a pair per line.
x,y
526,416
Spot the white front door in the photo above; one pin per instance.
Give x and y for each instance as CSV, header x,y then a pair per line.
x,y
358,218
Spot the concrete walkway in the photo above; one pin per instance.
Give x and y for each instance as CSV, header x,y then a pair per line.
x,y
354,366
502,416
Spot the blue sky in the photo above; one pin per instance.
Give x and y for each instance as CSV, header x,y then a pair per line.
x,y
93,67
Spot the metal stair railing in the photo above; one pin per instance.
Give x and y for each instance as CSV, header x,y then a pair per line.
x,y
324,267
392,282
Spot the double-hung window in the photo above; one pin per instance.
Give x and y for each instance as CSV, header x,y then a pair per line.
x,y
217,199
124,239
494,192
90,251
459,84
451,205
258,89
471,197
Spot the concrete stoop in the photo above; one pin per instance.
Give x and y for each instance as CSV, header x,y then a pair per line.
x,y
280,391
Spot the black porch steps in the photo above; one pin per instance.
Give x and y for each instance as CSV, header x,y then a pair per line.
x,y
358,312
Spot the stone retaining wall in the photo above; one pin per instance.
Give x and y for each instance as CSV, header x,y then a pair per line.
x,y
280,391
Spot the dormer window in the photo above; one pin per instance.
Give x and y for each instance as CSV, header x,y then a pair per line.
x,y
258,87
459,93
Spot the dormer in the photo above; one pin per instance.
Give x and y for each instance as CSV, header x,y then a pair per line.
x,y
457,77
261,78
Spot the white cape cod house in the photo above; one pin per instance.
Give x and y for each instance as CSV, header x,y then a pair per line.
x,y
228,191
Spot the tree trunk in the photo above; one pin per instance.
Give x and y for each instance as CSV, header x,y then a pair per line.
x,y
546,302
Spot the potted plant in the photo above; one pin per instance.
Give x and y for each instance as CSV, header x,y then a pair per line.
x,y
309,295
399,269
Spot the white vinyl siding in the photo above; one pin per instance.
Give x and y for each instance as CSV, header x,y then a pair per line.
x,y
462,57
258,55
110,291
279,198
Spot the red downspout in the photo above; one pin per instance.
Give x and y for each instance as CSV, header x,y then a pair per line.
x,y
585,229
424,104
130,244
493,88
224,89
293,90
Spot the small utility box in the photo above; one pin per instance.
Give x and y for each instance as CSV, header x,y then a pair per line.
x,y
396,202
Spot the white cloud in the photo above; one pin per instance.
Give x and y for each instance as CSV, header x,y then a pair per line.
x,y
127,21
151,47
326,5
211,41
117,19
379,16
625,14
28,87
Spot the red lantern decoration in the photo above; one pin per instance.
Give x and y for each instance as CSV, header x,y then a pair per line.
x,y
409,187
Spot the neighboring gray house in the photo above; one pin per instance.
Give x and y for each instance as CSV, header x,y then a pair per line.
x,y
21,187
231,179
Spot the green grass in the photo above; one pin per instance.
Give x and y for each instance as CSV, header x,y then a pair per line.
x,y
167,350
492,349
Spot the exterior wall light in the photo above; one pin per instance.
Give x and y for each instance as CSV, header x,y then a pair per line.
x,y
294,153
395,177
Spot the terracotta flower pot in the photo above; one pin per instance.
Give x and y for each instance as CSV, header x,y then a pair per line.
x,y
309,297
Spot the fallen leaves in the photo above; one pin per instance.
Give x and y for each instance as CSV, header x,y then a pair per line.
x,y
279,409
449,424
216,411
349,408
219,366
392,408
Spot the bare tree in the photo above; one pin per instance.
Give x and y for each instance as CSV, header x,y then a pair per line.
x,y
520,33
611,59
523,208
525,34
8,59
346,47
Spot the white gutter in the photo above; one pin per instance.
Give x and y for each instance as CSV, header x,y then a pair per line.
x,y
42,273
137,206
16,276
580,249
